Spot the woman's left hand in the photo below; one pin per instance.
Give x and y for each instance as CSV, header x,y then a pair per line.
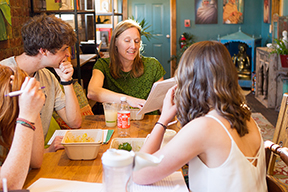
x,y
135,102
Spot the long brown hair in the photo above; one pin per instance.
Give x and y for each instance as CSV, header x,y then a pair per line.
x,y
9,108
115,67
207,79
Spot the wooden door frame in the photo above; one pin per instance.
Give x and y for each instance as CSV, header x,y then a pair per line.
x,y
173,35
173,31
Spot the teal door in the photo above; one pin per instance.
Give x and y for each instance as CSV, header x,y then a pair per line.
x,y
157,14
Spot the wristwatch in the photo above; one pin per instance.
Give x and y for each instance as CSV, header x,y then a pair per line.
x,y
66,82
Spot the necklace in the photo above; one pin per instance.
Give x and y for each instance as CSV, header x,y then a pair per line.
x,y
125,75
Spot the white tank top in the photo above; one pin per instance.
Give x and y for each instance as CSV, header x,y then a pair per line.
x,y
236,174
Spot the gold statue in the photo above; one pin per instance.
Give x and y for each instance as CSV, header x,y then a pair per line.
x,y
242,62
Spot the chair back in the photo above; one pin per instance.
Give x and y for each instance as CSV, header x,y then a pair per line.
x,y
281,132
271,149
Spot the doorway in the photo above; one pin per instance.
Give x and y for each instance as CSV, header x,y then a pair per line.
x,y
157,14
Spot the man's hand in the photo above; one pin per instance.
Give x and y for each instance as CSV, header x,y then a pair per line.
x,y
65,71
55,145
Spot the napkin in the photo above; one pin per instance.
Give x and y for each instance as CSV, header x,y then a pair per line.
x,y
107,135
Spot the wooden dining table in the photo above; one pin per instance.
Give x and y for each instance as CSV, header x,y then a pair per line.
x,y
57,165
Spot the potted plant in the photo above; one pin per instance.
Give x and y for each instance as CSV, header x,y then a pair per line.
x,y
144,25
281,49
185,41
144,32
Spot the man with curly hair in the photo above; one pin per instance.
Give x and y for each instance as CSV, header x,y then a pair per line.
x,y
46,41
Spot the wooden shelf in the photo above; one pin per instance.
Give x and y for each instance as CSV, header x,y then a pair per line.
x,y
65,12
269,78
109,14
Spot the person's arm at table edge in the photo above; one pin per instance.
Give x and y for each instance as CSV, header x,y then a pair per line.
x,y
37,148
71,112
97,93
26,150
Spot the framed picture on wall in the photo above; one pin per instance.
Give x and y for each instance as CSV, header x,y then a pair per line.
x,y
266,11
233,11
206,12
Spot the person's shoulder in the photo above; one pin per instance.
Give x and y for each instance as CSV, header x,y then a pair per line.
x,y
45,71
104,60
47,74
203,127
202,123
102,64
144,58
149,60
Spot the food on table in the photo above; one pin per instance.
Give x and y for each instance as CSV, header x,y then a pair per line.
x,y
126,146
70,138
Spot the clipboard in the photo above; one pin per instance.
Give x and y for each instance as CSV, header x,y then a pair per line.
x,y
157,95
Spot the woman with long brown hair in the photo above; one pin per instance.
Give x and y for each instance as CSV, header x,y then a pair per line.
x,y
126,72
21,133
219,138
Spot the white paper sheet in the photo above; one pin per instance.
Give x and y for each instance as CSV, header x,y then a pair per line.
x,y
168,184
157,95
60,185
173,183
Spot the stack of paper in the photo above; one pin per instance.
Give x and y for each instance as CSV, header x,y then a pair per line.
x,y
157,95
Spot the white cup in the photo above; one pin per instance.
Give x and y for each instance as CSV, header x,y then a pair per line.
x,y
110,112
117,170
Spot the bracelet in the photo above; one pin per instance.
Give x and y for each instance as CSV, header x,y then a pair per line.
x,y
164,126
66,82
26,123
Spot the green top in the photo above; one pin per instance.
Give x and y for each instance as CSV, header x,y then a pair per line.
x,y
136,87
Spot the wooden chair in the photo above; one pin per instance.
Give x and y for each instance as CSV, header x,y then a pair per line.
x,y
281,131
278,147
272,149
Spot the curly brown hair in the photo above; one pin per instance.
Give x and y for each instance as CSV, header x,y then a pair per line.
x,y
207,79
47,32
115,67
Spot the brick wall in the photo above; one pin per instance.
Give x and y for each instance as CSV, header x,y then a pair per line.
x,y
20,10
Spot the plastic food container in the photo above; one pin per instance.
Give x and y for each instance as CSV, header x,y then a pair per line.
x,y
81,150
134,116
136,143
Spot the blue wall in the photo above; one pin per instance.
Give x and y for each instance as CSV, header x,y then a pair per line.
x,y
253,21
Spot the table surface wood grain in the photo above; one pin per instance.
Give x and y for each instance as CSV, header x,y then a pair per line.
x,y
58,166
